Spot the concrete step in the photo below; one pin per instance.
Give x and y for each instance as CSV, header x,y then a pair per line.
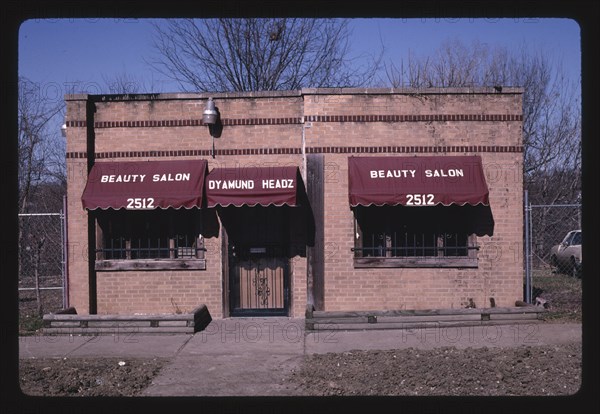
x,y
117,330
414,319
69,322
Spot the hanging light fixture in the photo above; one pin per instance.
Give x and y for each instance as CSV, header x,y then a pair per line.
x,y
210,114
210,117
63,129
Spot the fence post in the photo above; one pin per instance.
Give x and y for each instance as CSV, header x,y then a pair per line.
x,y
527,248
65,254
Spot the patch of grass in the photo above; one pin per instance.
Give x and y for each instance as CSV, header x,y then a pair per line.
x,y
29,325
562,292
29,320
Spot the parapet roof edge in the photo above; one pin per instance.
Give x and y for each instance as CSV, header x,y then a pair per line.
x,y
295,93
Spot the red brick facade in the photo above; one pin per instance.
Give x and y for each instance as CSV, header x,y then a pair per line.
x,y
282,128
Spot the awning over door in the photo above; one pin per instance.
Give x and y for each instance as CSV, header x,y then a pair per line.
x,y
145,185
254,186
417,181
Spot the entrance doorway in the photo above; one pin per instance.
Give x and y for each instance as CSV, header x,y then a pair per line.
x,y
258,280
258,260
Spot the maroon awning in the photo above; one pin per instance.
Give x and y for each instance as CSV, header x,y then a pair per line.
x,y
145,185
253,186
417,181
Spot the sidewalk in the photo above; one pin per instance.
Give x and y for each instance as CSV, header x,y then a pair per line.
x,y
244,355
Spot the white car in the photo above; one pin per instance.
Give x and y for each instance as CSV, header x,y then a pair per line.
x,y
566,256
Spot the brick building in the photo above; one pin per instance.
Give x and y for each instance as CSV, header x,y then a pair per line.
x,y
339,199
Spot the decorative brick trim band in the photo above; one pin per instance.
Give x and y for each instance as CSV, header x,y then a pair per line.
x,y
76,155
76,124
414,149
149,124
298,151
297,120
188,153
261,121
412,118
185,123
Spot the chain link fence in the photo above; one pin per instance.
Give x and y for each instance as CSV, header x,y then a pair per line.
x,y
552,241
42,261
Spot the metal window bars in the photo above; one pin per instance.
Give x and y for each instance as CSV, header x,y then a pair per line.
x,y
176,247
414,245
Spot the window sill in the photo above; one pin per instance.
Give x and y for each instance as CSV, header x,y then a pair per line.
x,y
416,262
150,264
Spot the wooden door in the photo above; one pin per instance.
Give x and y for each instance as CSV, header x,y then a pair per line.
x,y
258,280
258,260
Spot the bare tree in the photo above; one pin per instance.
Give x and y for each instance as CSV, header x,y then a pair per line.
x,y
40,156
452,65
125,83
42,178
551,108
258,54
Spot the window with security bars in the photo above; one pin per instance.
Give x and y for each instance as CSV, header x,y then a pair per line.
x,y
412,244
400,236
153,234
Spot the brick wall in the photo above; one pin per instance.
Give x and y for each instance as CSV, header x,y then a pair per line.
x,y
500,271
77,218
499,274
263,129
158,292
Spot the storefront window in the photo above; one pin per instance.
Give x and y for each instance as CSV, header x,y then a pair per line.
x,y
156,235
400,236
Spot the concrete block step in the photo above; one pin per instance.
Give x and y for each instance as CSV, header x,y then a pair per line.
x,y
69,322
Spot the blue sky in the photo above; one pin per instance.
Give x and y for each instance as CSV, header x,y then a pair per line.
x,y
64,53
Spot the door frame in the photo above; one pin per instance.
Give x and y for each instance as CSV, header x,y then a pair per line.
x,y
229,293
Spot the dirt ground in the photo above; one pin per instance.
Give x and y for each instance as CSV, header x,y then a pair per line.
x,y
87,377
447,371
533,371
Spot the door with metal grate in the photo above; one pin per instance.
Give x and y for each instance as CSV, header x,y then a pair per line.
x,y
259,280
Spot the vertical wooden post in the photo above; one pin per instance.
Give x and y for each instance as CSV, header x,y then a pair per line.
x,y
225,269
315,277
171,248
99,246
91,219
200,246
358,235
